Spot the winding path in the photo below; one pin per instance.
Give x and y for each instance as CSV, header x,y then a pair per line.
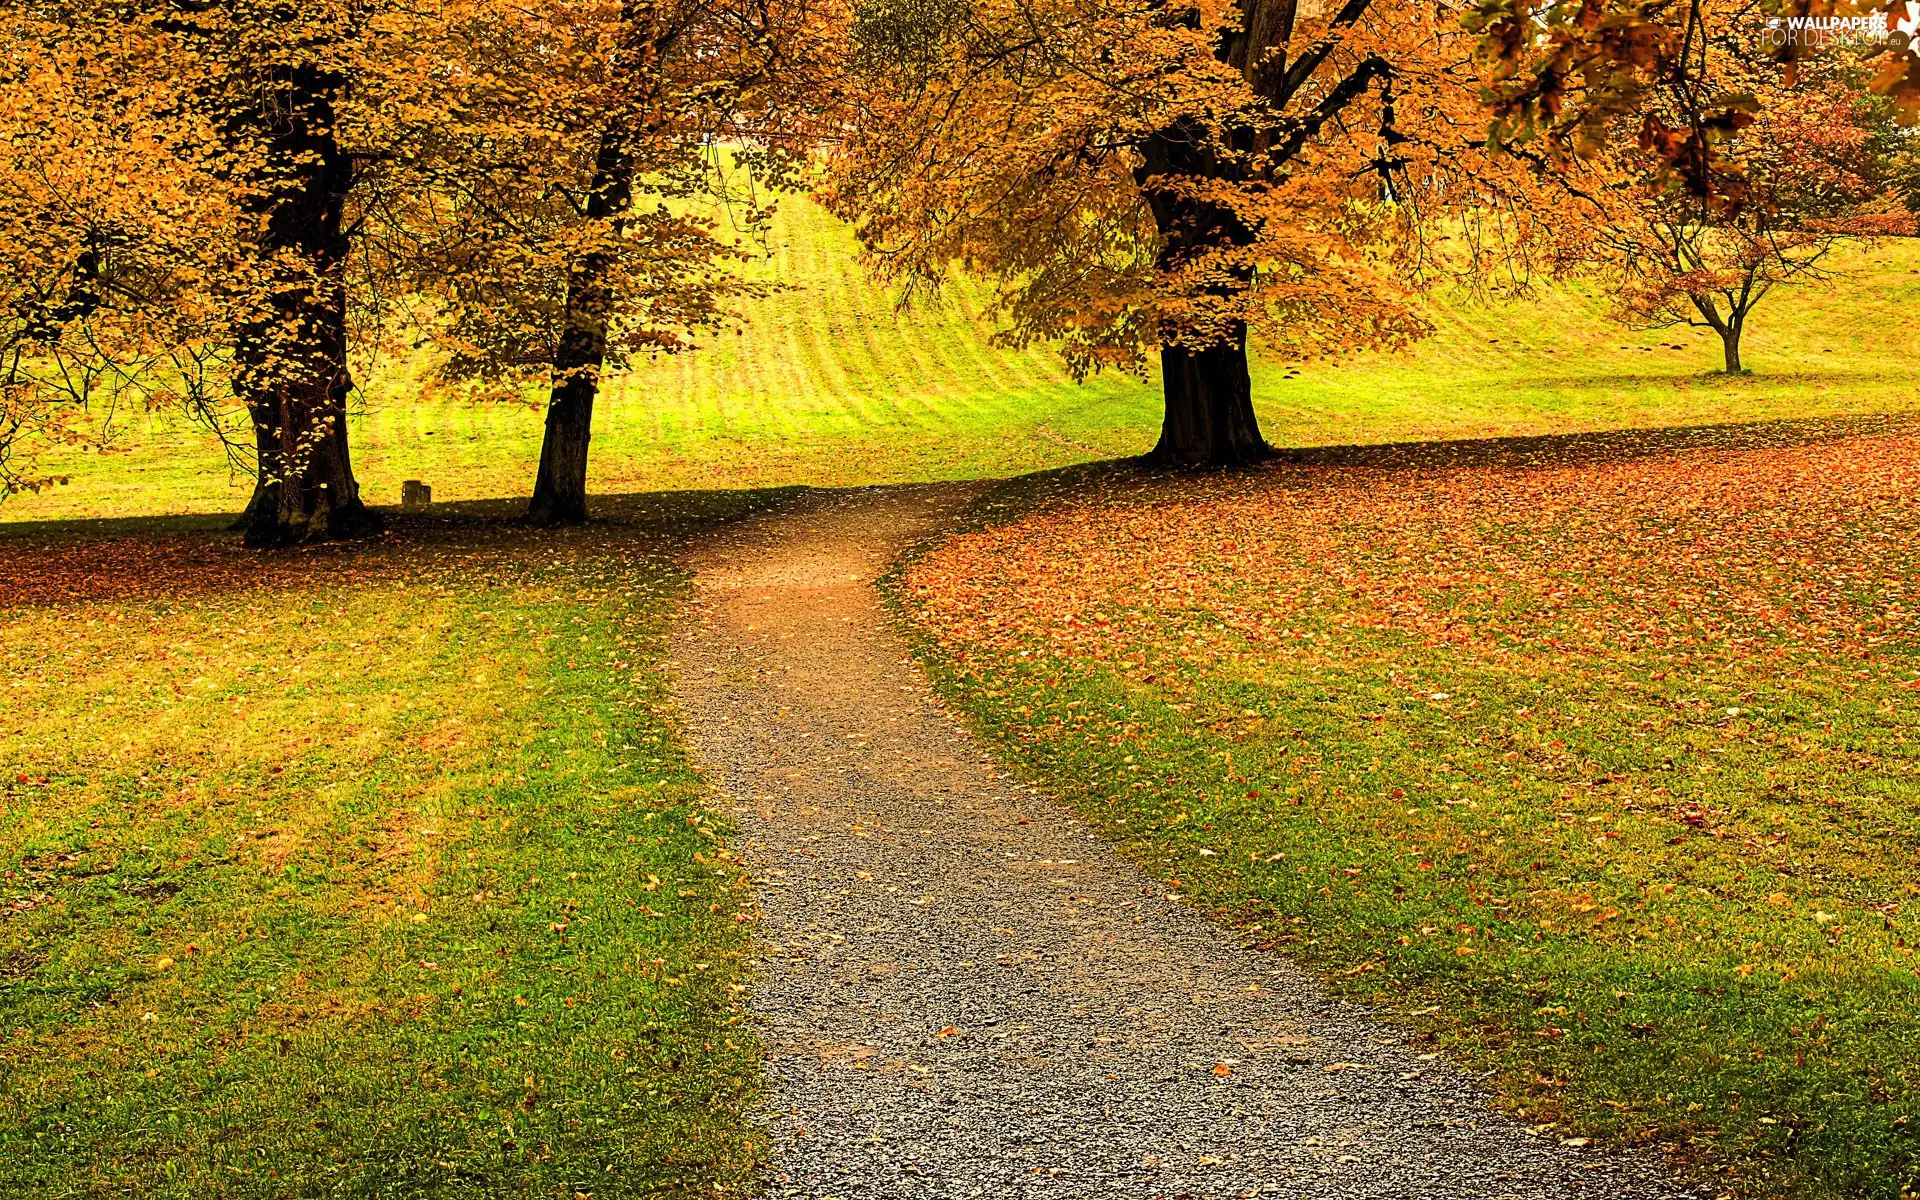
x,y
967,993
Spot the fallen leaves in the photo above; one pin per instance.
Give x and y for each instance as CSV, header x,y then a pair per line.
x,y
1585,558
1569,718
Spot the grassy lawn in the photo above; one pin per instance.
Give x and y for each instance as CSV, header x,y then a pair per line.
x,y
1594,762
378,869
371,870
830,383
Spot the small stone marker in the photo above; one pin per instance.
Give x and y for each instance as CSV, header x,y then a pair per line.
x,y
415,495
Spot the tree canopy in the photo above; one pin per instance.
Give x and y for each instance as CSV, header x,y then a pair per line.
x,y
1143,178
234,209
271,194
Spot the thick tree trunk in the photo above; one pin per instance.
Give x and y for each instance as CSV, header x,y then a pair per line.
x,y
306,489
1209,417
560,490
1730,344
293,362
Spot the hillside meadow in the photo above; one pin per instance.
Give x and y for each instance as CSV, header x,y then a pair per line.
x,y
1553,695
830,382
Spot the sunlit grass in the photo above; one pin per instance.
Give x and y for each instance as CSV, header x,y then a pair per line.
x,y
831,383
363,872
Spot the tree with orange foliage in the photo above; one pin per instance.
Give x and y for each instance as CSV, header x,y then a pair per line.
x,y
114,279
1742,151
1142,177
1785,189
1565,73
554,227
459,178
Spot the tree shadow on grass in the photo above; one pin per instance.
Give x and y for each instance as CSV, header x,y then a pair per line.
x,y
183,558
1608,446
1696,375
162,559
1299,466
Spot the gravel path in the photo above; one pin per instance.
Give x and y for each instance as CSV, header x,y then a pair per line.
x,y
966,993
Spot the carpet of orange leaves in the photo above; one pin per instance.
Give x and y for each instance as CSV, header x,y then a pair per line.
x,y
1596,753
1774,552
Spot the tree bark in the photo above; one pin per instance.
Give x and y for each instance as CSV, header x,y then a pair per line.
x,y
1209,418
560,490
1730,344
293,359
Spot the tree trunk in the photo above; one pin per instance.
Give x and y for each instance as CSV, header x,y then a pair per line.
x,y
306,489
1730,343
560,490
1209,417
293,361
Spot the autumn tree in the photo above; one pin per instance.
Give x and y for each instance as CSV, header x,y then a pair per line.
x,y
1565,74
558,228
1144,178
1797,182
457,180
113,279
252,304
1742,151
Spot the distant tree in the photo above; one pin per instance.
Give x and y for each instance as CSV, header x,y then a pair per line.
x,y
567,220
1148,178
1794,181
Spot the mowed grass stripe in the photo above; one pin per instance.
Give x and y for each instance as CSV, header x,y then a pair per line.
x,y
822,374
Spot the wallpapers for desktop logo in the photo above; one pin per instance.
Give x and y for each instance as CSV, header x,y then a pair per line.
x,y
1897,29
1907,27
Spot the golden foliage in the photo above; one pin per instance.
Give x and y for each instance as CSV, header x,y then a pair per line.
x,y
1137,176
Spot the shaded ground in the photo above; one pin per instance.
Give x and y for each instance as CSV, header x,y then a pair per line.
x,y
967,993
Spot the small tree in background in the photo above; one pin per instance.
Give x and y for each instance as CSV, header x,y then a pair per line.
x,y
1797,176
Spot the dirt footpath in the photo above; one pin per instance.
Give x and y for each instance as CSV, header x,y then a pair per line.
x,y
966,993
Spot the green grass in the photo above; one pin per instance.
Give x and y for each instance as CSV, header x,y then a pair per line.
x,y
370,871
1600,775
830,383
315,861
